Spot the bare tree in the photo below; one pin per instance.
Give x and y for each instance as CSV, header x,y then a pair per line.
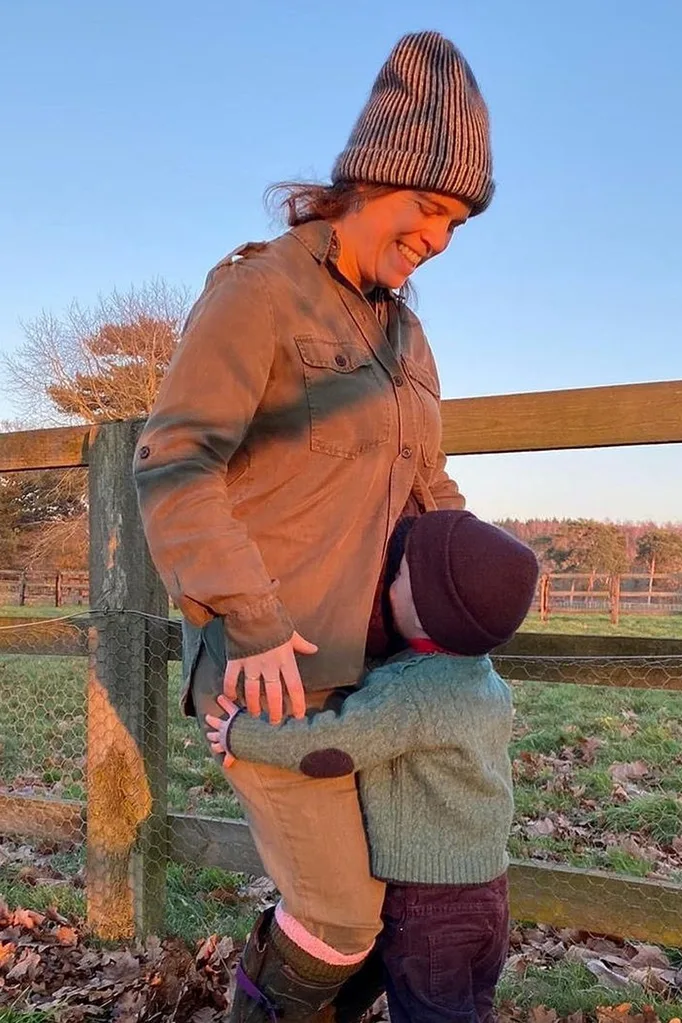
x,y
99,364
89,365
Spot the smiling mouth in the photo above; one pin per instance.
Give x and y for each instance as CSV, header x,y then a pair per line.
x,y
410,255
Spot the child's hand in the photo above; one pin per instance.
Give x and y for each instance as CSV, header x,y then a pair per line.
x,y
218,737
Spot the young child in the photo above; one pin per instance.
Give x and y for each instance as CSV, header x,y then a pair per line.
x,y
429,735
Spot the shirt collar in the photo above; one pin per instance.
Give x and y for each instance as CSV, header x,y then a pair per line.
x,y
319,238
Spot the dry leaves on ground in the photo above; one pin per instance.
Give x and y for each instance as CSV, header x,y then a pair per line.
x,y
46,963
615,964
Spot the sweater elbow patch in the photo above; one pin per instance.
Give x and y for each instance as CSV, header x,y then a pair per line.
x,y
327,763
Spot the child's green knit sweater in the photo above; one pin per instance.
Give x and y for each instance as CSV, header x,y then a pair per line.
x,y
429,736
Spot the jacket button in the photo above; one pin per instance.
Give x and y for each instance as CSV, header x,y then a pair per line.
x,y
340,360
406,452
398,381
144,452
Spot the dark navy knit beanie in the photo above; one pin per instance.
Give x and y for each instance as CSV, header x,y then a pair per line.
x,y
472,583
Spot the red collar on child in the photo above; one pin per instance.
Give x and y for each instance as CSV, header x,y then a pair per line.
x,y
427,646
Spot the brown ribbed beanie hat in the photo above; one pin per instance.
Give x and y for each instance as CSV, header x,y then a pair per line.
x,y
425,125
472,583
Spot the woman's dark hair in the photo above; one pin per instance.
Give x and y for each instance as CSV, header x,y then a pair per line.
x,y
298,202
301,201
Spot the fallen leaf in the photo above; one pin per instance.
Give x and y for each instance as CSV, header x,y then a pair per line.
x,y
206,1015
29,876
227,896
578,954
207,948
516,964
224,948
570,935
534,935
515,937
89,960
25,967
629,772
52,914
650,979
607,977
616,1014
507,1012
603,946
650,955
127,1007
632,847
66,936
614,960
124,967
541,1014
589,748
27,918
545,826
7,950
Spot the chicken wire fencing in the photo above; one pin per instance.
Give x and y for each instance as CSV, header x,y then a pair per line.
x,y
100,773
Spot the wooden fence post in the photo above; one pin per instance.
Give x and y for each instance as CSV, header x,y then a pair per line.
x,y
615,599
58,590
127,703
545,582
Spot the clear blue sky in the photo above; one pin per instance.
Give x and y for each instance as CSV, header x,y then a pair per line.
x,y
137,139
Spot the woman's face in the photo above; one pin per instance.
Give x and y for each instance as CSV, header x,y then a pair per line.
x,y
385,241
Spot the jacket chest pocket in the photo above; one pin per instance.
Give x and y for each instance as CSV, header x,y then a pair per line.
x,y
348,401
425,383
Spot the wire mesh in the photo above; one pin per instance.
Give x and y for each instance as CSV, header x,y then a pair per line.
x,y
89,749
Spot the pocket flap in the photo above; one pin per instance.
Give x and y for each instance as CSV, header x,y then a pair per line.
x,y
337,355
423,375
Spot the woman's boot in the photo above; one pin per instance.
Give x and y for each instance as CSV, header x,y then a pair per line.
x,y
277,980
359,993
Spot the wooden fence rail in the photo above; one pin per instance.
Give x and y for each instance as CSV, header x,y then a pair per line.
x,y
578,659
611,593
130,835
557,592
590,900
65,587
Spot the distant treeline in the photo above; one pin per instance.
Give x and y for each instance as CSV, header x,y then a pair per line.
x,y
587,545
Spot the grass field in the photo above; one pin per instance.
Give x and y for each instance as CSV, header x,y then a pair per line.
x,y
658,626
574,803
598,775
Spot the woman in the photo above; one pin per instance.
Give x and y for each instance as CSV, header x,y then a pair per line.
x,y
299,417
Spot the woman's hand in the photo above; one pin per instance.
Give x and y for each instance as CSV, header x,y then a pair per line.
x,y
274,667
